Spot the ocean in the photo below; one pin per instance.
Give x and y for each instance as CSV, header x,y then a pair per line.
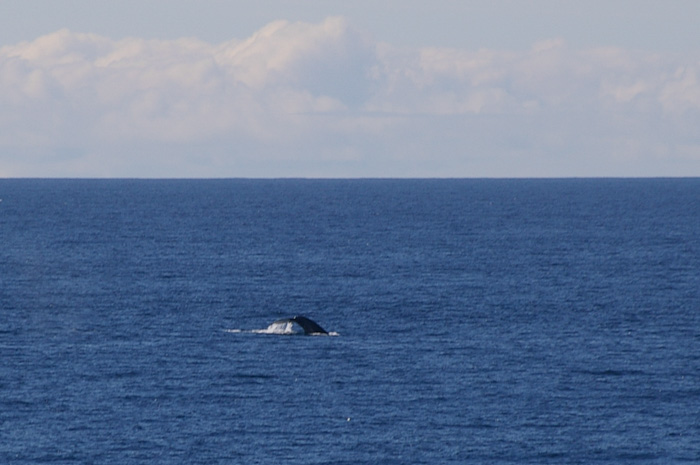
x,y
472,321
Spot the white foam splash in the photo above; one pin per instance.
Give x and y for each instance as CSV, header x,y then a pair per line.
x,y
281,327
278,327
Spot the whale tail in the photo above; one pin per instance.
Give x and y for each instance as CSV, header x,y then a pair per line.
x,y
309,326
296,325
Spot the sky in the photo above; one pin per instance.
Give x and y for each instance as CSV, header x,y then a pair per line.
x,y
311,88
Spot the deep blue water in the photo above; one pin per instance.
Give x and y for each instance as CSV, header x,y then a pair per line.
x,y
479,321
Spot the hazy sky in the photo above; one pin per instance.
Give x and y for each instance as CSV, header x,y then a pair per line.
x,y
214,88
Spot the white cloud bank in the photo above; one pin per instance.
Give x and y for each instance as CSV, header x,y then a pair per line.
x,y
299,99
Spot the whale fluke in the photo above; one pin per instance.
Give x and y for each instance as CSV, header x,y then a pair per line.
x,y
287,325
310,326
296,325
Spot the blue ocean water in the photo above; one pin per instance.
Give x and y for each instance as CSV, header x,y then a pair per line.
x,y
478,321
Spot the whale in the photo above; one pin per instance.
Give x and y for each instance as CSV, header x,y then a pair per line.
x,y
296,325
308,325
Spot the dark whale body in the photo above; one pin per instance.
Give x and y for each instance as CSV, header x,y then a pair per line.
x,y
309,326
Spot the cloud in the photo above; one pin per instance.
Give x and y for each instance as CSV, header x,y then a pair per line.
x,y
325,99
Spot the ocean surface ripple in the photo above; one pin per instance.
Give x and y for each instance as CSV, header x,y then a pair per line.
x,y
478,321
